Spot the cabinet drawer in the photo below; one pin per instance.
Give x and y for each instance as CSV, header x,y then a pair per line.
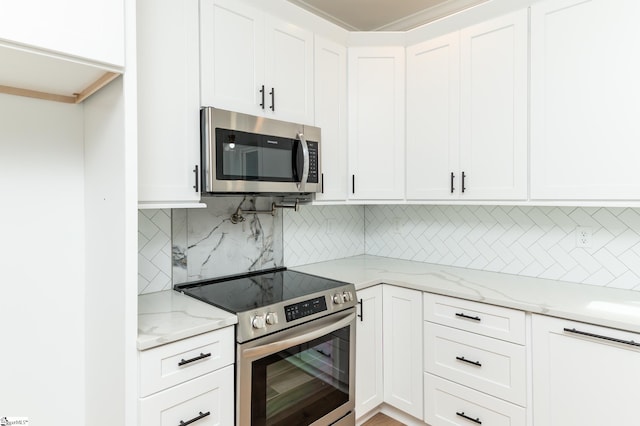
x,y
488,320
485,364
209,398
447,403
175,363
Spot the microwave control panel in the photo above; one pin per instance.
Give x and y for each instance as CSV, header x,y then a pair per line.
x,y
313,162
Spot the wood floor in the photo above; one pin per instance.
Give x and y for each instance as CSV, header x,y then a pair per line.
x,y
382,420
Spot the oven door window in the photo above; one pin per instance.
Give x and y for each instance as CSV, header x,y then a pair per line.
x,y
299,385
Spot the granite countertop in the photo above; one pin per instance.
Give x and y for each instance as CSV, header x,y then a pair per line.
x,y
167,316
592,304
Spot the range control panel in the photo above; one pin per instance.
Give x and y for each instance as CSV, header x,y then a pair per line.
x,y
306,308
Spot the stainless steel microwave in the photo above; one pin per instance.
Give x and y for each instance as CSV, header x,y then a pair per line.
x,y
245,154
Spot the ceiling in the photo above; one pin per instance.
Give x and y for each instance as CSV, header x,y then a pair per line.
x,y
383,15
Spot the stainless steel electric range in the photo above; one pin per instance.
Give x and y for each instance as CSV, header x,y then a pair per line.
x,y
295,346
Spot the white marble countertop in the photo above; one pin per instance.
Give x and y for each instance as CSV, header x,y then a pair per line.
x,y
593,304
167,316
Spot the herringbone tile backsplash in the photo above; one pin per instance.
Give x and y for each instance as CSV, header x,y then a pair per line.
x,y
154,250
532,241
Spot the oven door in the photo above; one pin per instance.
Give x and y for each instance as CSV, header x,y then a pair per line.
x,y
301,376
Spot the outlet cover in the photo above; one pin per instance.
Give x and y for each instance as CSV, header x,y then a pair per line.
x,y
583,236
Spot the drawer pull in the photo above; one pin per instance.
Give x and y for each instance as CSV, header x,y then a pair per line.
x,y
195,419
598,336
463,359
461,315
476,420
198,358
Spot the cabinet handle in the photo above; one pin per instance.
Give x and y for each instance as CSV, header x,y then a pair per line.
x,y
195,172
463,359
195,419
476,420
461,315
599,336
452,177
361,316
322,184
463,177
353,184
262,92
273,99
198,358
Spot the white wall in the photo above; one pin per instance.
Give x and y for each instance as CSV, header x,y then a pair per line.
x,y
42,229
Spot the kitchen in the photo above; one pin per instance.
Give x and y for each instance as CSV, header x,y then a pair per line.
x,y
89,201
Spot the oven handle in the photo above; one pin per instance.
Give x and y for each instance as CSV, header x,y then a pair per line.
x,y
271,348
305,162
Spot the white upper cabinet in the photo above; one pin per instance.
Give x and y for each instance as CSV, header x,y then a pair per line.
x,y
467,113
255,63
585,100
376,122
60,51
433,118
331,116
493,109
168,103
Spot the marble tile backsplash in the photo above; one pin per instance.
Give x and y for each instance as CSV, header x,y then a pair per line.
x,y
530,241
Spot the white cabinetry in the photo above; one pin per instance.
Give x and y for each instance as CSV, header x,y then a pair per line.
x,y
188,379
168,103
369,366
585,100
402,331
583,379
475,363
331,116
467,113
255,63
376,122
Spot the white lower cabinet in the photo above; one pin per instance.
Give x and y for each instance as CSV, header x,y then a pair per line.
x,y
475,363
584,375
369,391
448,403
187,381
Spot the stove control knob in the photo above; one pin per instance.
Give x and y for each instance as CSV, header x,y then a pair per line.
x,y
258,321
348,297
338,298
272,318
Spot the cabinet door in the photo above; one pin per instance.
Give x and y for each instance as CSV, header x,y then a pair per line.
x,y
433,103
493,90
585,100
376,123
583,380
331,116
91,29
288,71
168,104
232,56
402,332
369,390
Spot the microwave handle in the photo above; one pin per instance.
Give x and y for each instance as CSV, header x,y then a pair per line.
x,y
305,162
275,347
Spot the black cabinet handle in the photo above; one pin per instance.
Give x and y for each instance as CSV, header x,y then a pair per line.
x,y
463,177
599,336
353,184
476,420
361,315
322,185
195,171
452,177
195,419
461,315
198,358
463,359
262,92
273,99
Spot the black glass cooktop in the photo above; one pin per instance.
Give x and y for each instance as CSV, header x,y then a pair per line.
x,y
250,291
